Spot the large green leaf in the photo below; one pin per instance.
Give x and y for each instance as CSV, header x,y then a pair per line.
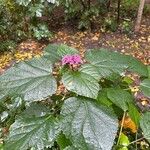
x,y
120,97
32,80
134,114
34,128
87,125
55,52
81,83
107,63
145,125
145,87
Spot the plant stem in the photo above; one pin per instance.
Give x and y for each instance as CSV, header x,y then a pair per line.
x,y
136,140
123,118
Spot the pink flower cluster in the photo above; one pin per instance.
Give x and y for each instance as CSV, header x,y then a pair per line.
x,y
71,59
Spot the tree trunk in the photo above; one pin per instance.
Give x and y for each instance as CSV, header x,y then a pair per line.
x,y
147,1
139,16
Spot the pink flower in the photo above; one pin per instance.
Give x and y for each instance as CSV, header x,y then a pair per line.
x,y
71,59
76,59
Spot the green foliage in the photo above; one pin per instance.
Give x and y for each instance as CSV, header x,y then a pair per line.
x,y
123,142
120,98
56,52
110,24
126,26
81,83
9,110
41,31
83,115
23,19
84,11
107,63
35,127
130,6
62,141
134,114
145,125
29,18
145,87
7,45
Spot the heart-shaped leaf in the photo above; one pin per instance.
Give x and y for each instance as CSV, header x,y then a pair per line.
x,y
88,125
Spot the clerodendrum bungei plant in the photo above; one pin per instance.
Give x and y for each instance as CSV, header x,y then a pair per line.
x,y
74,103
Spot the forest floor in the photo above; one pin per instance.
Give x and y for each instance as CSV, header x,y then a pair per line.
x,y
137,45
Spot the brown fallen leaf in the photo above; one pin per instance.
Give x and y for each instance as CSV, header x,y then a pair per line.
x,y
129,124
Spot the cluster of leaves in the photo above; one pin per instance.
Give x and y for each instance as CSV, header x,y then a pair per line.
x,y
85,12
22,18
6,29
84,114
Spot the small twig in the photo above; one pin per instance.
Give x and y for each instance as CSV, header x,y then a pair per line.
x,y
136,140
123,118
